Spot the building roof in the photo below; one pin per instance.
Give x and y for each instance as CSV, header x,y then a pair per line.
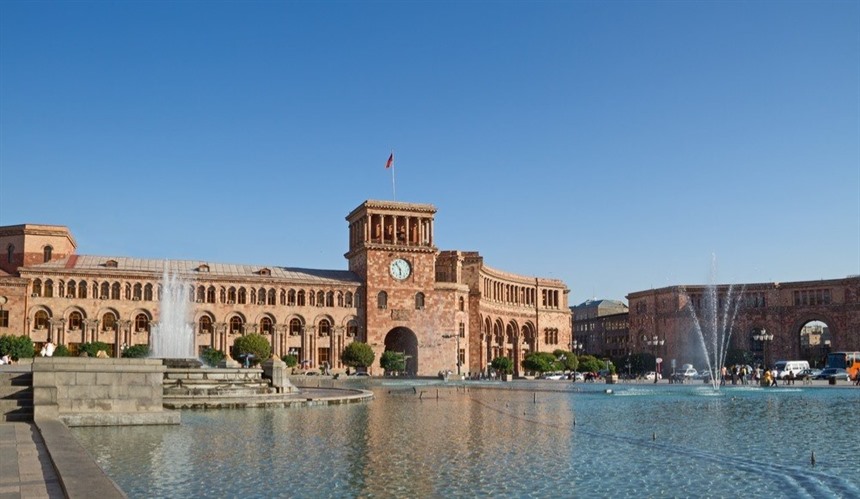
x,y
94,263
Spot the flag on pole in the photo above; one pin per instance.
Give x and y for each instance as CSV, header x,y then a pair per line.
x,y
390,162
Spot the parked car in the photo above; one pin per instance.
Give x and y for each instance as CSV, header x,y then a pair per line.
x,y
577,376
838,373
554,376
649,376
809,373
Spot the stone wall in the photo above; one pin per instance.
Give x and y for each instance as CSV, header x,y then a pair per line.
x,y
83,391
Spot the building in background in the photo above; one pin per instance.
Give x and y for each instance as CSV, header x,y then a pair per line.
x,y
445,310
802,320
600,328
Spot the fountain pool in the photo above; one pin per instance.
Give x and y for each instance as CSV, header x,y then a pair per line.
x,y
520,439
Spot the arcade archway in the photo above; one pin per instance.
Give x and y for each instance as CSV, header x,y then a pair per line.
x,y
402,339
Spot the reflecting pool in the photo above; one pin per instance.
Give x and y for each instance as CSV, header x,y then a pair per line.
x,y
521,439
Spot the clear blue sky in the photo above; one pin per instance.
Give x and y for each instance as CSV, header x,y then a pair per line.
x,y
618,146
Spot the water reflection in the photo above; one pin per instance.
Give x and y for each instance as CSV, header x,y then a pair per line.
x,y
465,440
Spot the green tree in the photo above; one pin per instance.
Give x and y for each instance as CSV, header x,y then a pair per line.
x,y
133,352
737,356
568,360
212,357
503,365
541,362
590,363
254,345
290,360
358,354
392,362
92,349
16,347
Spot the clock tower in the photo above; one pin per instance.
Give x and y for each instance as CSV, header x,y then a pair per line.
x,y
391,249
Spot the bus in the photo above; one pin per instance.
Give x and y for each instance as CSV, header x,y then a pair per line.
x,y
850,361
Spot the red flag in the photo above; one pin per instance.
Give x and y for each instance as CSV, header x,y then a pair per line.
x,y
390,162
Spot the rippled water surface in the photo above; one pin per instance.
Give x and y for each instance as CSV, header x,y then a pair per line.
x,y
522,439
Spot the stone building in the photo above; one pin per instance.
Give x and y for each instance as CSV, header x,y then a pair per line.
x,y
445,310
789,313
600,328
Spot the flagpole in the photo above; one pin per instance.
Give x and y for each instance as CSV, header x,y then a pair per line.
x,y
393,186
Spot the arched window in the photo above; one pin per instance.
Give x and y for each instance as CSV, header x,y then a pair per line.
x,y
462,304
210,294
40,320
115,291
382,300
243,296
10,252
75,321
329,299
201,294
141,323
265,325
312,298
71,292
347,301
147,292
105,291
235,324
108,322
49,288
295,327
231,295
82,290
48,251
283,297
204,325
127,291
271,297
301,298
61,289
352,329
253,296
358,299
419,301
324,327
137,294
291,298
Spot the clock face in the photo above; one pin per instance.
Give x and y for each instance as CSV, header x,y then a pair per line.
x,y
400,269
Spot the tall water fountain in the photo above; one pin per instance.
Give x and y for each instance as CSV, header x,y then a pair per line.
x,y
712,322
173,336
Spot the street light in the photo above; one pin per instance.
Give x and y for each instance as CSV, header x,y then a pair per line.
x,y
576,346
764,338
654,343
458,348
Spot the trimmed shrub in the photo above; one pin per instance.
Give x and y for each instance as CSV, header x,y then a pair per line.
x,y
358,354
290,360
212,357
503,365
135,352
62,351
16,347
255,345
392,362
92,349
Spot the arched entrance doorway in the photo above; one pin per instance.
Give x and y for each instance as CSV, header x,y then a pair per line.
x,y
402,339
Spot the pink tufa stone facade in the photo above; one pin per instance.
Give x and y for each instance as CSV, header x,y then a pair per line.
x,y
444,309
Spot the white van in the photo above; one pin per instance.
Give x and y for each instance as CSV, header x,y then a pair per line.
x,y
783,367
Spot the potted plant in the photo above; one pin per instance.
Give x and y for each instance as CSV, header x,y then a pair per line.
x,y
612,377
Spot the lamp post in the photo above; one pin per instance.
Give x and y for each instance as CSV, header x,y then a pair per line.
x,y
458,348
576,347
655,343
764,338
